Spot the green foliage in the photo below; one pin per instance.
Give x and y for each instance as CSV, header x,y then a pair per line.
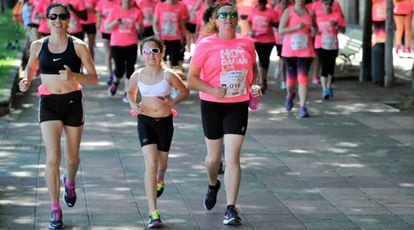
x,y
10,32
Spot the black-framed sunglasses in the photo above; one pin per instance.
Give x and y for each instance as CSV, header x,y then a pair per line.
x,y
61,16
224,15
148,51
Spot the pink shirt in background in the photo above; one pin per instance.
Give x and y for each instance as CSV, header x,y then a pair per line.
x,y
278,11
317,7
327,37
126,33
74,22
169,19
403,7
90,6
298,43
379,10
261,24
226,62
35,19
190,7
147,8
104,7
40,10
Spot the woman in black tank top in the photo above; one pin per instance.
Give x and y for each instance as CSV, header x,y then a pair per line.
x,y
60,107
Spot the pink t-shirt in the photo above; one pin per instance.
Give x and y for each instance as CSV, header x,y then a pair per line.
x,y
74,22
317,7
90,6
124,34
403,7
40,11
104,7
147,8
190,5
327,37
169,18
260,21
33,18
298,43
379,10
226,62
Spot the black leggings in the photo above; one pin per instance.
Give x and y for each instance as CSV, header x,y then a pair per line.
x,y
263,51
124,58
327,59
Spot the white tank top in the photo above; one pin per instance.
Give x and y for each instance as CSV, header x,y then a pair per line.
x,y
159,89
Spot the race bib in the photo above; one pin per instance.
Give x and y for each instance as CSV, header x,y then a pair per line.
x,y
234,81
169,29
299,41
329,42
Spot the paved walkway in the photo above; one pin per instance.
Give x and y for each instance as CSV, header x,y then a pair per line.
x,y
349,166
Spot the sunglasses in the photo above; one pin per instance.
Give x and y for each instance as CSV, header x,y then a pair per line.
x,y
148,51
61,16
224,15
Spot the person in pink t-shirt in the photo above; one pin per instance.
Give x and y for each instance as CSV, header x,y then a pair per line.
x,y
298,26
124,22
147,8
89,25
223,68
39,12
280,72
330,23
260,26
169,22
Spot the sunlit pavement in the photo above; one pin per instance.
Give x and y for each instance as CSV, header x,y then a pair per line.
x,y
349,166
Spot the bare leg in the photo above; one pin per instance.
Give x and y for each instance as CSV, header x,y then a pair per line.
x,y
73,138
232,175
151,156
51,133
213,158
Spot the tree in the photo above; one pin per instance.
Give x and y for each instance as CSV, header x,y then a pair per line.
x,y
365,71
389,64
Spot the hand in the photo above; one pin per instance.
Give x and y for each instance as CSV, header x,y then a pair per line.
x,y
300,26
219,92
252,34
66,73
24,85
136,110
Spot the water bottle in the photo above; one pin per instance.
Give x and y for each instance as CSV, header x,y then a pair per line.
x,y
254,101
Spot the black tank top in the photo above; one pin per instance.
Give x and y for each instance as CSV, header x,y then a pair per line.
x,y
51,63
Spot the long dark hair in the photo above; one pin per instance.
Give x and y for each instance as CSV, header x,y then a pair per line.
x,y
57,4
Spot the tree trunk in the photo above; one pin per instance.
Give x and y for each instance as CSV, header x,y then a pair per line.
x,y
389,28
365,71
412,84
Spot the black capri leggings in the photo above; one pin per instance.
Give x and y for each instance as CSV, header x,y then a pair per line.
x,y
263,51
327,58
124,59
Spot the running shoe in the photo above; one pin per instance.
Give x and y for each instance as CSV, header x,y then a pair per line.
x,y
330,91
325,94
154,220
231,216
211,196
289,101
316,79
110,79
69,196
303,112
113,88
55,221
160,187
125,99
282,85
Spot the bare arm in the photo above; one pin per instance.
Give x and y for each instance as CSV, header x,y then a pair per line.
x,y
175,81
195,82
31,67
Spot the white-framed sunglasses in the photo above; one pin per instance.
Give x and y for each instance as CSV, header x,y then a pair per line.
x,y
148,51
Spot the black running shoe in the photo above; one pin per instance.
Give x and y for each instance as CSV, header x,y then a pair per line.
x,y
231,216
211,196
69,196
56,219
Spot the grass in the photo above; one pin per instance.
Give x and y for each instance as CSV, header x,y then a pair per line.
x,y
9,32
